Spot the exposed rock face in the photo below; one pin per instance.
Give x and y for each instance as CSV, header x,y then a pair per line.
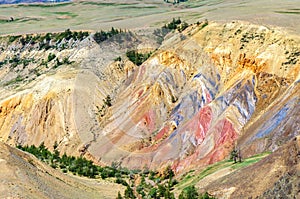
x,y
203,91
286,187
41,114
57,103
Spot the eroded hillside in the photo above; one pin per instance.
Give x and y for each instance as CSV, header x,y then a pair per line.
x,y
204,91
23,176
201,92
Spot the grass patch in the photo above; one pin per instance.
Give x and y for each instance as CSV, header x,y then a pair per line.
x,y
70,14
245,163
64,13
212,169
250,161
45,5
2,21
104,4
138,7
190,180
195,14
261,154
26,19
196,4
13,81
288,12
98,3
186,179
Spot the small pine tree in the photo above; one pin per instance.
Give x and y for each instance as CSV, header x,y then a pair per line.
x,y
107,101
119,196
153,193
128,194
161,190
189,192
55,145
234,155
206,196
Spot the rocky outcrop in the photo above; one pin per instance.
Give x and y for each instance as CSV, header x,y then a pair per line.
x,y
286,187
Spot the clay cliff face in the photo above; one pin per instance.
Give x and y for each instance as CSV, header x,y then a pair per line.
x,y
202,92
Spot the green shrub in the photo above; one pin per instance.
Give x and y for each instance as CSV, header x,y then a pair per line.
x,y
13,81
129,193
173,24
51,57
118,59
83,167
107,101
182,26
204,24
11,39
189,192
119,195
137,58
44,40
102,35
121,181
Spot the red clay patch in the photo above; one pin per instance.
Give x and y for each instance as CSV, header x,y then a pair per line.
x,y
161,133
149,120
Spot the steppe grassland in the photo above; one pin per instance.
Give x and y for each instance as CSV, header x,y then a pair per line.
x,y
140,14
74,15
95,15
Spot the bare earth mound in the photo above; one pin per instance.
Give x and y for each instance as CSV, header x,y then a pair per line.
x,y
23,176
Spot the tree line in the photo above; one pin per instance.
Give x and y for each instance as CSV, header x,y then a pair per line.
x,y
144,183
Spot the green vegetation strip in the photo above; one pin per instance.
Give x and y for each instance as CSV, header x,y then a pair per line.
x,y
49,40
4,21
99,3
104,35
13,81
139,184
70,14
45,5
288,12
190,179
249,161
138,7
